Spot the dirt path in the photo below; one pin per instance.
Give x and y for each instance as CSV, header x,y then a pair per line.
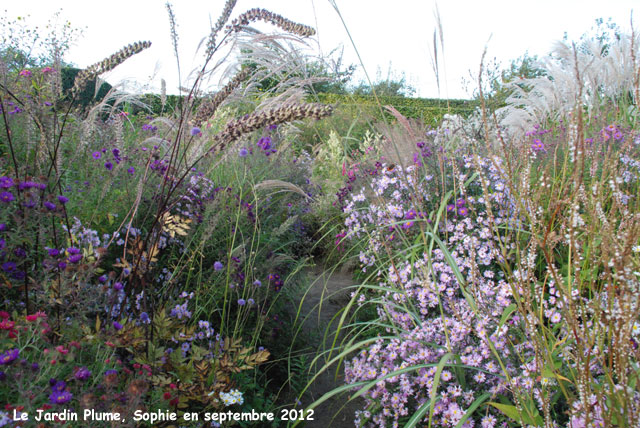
x,y
330,288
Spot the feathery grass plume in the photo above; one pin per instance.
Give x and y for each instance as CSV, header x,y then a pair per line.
x,y
250,122
273,18
607,71
282,186
224,17
209,108
163,93
108,64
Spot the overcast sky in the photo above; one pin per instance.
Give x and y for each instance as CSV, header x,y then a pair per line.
x,y
388,34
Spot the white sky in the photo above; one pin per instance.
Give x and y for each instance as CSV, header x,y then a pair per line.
x,y
387,33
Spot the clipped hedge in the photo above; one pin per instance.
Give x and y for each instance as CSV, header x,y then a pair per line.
x,y
429,110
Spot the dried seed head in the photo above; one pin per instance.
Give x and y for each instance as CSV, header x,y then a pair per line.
x,y
273,18
250,122
108,64
209,108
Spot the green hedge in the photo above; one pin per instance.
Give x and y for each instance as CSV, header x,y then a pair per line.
x,y
429,110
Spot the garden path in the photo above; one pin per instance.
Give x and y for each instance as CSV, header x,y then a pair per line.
x,y
330,287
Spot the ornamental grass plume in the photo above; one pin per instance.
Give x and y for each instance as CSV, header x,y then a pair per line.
x,y
107,64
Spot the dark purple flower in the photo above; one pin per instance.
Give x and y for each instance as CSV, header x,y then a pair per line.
x,y
273,127
26,185
3,375
62,265
73,250
9,356
49,205
3,227
118,286
20,252
82,373
8,266
60,397
59,385
96,155
63,199
195,131
131,170
117,325
53,252
75,258
6,182
103,278
144,317
108,165
6,197
460,203
35,367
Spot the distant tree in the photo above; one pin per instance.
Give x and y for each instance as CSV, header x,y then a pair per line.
x,y
392,86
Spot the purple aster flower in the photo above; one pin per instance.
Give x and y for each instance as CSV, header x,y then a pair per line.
x,y
6,182
108,165
117,325
144,317
537,145
96,155
463,211
62,265
53,252
451,208
59,385
460,202
103,278
6,197
35,367
218,266
273,127
49,205
195,131
8,266
63,199
75,258
9,356
73,250
25,73
82,373
118,286
61,397
26,185
131,170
